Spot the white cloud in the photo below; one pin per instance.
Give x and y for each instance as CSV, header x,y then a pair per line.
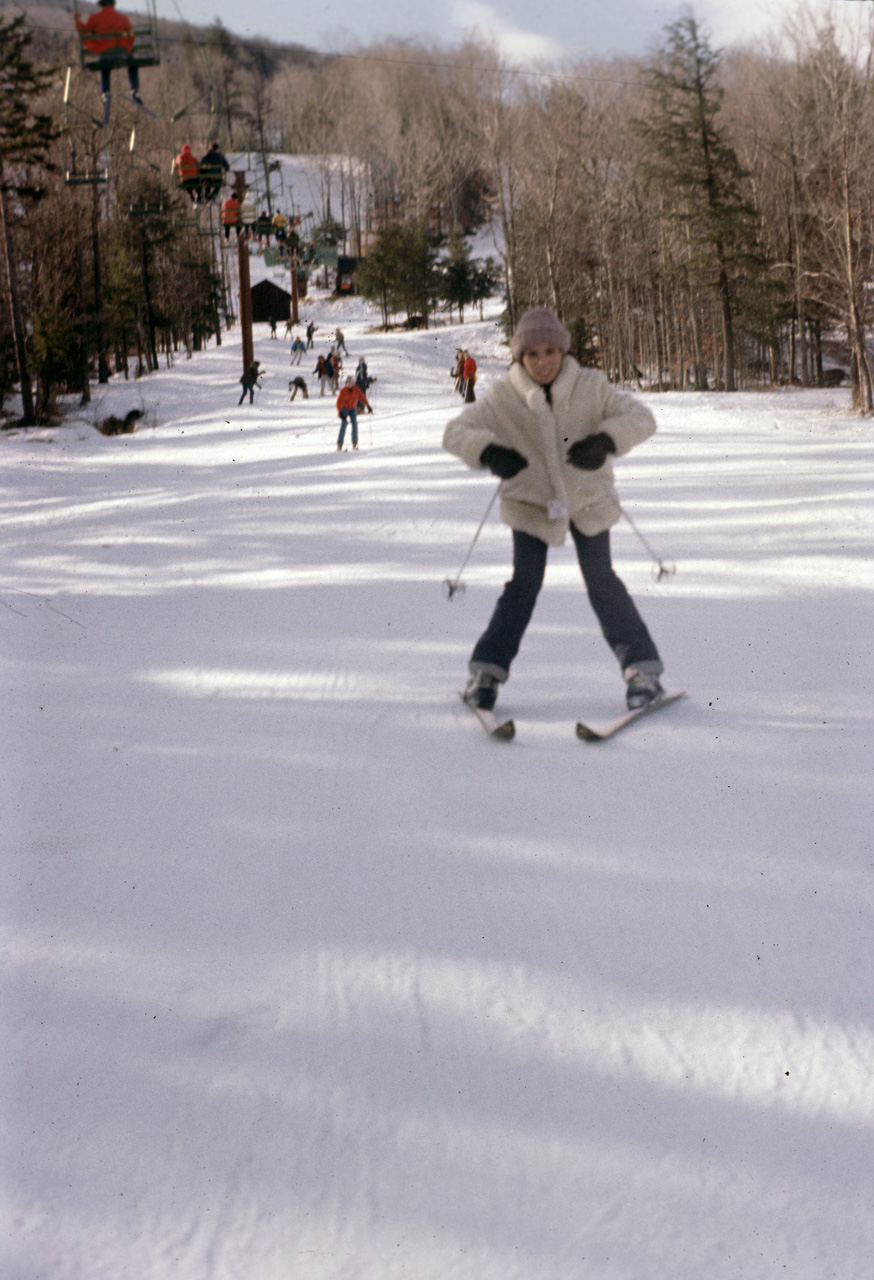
x,y
737,21
512,42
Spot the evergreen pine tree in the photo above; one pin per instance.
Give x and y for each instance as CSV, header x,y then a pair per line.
x,y
690,158
377,277
418,277
399,271
457,270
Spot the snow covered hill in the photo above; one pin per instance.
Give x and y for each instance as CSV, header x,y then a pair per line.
x,y
304,977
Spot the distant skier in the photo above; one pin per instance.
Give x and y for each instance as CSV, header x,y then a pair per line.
x,y
248,213
363,379
457,372
323,373
280,227
311,329
347,407
186,168
298,384
263,229
334,365
109,34
213,167
468,377
340,341
298,350
231,216
547,429
250,382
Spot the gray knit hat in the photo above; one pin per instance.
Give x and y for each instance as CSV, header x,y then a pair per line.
x,y
536,326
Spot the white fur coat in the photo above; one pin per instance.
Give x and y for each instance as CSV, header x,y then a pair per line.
x,y
514,412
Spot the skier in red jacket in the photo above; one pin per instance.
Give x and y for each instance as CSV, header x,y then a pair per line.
x,y
109,35
350,397
231,215
468,377
186,167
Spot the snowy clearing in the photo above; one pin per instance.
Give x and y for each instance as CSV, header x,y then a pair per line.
x,y
307,978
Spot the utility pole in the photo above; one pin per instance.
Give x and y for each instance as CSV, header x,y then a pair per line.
x,y
245,286
100,315
295,263
245,301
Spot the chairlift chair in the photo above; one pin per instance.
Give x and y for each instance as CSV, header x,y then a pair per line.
x,y
74,176
143,176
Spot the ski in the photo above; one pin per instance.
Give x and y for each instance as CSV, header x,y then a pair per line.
x,y
141,106
590,733
500,730
124,97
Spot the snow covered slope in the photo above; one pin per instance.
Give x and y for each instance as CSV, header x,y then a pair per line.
x,y
304,977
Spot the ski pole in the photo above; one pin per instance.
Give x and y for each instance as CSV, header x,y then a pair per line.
x,y
453,585
660,569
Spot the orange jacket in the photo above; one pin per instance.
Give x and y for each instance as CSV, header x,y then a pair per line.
x,y
230,211
106,29
469,373
351,398
186,164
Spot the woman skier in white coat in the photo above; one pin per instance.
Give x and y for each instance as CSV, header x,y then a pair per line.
x,y
547,430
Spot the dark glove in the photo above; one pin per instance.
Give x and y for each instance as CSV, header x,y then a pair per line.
x,y
502,462
590,454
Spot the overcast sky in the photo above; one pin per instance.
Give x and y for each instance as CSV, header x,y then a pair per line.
x,y
524,29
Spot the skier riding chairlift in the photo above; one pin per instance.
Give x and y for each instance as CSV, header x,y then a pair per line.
x,y
109,40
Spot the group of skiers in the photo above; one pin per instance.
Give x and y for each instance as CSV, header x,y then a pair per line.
x,y
351,397
328,368
108,36
547,429
202,179
242,216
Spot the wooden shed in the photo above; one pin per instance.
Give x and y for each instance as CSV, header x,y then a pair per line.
x,y
268,300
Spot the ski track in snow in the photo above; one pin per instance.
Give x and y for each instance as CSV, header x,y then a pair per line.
x,y
307,978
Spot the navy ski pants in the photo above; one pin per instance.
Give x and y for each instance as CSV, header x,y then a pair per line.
x,y
621,624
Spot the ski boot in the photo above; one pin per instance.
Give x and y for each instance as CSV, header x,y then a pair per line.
x,y
482,691
642,687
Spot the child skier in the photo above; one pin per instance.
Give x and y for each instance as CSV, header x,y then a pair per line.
x,y
547,430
